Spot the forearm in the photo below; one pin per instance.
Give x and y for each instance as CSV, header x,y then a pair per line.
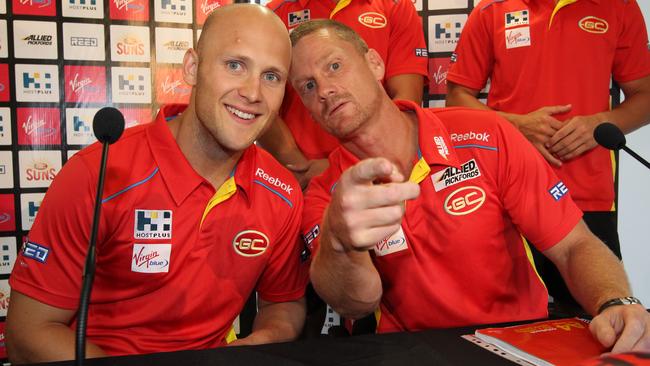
x,y
45,343
279,142
276,322
632,114
345,279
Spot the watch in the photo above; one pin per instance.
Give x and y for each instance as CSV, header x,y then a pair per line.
x,y
629,300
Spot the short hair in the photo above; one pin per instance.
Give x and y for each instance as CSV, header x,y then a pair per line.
x,y
341,30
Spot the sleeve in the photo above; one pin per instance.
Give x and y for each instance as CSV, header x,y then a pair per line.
x,y
405,39
317,198
537,201
632,57
286,275
50,264
473,59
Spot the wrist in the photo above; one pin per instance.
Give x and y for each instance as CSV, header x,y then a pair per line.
x,y
627,300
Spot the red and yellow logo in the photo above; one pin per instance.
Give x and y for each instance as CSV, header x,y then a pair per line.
x,y
250,243
593,25
464,200
372,20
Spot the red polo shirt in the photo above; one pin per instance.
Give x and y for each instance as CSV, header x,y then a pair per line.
x,y
176,260
392,28
460,258
534,61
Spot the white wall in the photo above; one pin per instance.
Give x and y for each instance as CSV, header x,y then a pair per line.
x,y
634,205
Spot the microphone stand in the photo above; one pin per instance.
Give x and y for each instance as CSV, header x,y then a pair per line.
x,y
89,268
636,156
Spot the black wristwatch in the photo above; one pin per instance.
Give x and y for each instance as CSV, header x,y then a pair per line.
x,y
629,300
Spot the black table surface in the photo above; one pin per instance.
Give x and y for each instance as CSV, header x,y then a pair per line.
x,y
430,347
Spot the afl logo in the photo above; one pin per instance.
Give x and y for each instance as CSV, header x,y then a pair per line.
x,y
464,200
372,20
250,243
593,25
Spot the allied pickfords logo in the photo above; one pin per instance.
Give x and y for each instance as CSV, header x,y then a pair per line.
x,y
170,86
130,43
38,126
29,205
392,244
151,258
205,7
34,7
85,84
174,11
153,224
444,31
4,83
83,8
438,69
7,254
38,167
373,19
37,83
131,84
79,122
129,9
83,41
441,146
5,292
464,200
593,25
250,243
171,44
34,39
7,214
451,175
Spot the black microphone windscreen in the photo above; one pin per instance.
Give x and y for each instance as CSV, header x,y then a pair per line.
x,y
108,125
609,136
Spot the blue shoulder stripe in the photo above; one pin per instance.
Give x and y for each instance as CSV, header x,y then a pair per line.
x,y
131,186
274,191
476,146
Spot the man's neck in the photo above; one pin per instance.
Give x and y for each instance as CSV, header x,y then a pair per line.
x,y
389,133
200,149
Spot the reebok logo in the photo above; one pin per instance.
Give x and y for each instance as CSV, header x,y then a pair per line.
x,y
273,181
483,136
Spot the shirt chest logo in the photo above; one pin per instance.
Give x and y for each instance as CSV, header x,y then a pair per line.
x,y
297,17
593,25
250,243
516,18
373,20
151,258
518,37
153,224
393,244
451,175
464,200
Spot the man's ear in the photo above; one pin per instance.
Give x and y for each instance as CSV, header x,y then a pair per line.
x,y
376,64
190,66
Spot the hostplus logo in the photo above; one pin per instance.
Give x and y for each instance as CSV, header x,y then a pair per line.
x,y
37,83
131,84
39,39
177,45
174,87
38,3
174,7
79,126
32,209
89,5
448,30
33,127
127,5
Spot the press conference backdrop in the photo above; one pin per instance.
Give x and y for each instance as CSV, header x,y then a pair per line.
x,y
634,204
60,61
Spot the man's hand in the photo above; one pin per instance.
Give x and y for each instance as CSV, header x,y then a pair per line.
x,y
625,327
305,172
575,137
539,126
368,204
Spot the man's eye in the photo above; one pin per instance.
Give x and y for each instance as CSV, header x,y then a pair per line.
x,y
269,76
310,85
233,65
335,66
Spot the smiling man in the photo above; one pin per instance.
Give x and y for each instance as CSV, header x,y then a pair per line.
x,y
185,235
420,215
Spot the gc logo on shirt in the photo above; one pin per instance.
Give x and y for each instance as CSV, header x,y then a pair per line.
x,y
250,243
464,200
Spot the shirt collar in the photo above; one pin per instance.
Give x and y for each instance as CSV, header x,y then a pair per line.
x,y
179,176
528,1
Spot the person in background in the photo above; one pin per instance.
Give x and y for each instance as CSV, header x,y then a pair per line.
x,y
185,235
392,27
550,64
420,215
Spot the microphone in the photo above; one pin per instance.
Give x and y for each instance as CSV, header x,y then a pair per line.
x,y
609,136
108,125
